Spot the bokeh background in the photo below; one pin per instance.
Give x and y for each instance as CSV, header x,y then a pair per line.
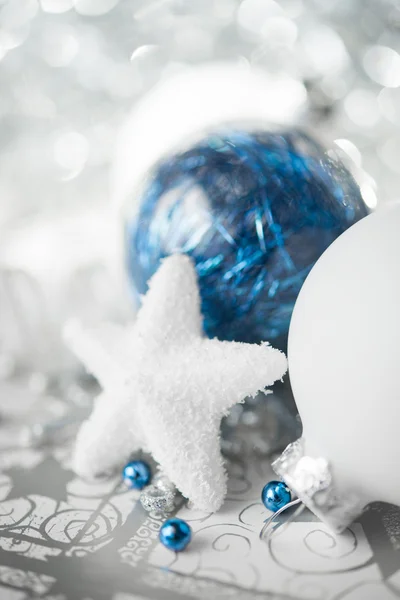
x,y
71,71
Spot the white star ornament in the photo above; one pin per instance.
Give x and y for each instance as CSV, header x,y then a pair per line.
x,y
166,387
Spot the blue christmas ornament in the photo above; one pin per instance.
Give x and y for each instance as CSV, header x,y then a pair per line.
x,y
275,495
137,474
254,211
175,534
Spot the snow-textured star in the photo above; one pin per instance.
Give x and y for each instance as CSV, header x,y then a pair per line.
x,y
166,387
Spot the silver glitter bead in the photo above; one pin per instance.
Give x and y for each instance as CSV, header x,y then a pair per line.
x,y
155,499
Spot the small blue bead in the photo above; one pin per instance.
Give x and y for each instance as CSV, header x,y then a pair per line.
x,y
136,474
275,495
175,534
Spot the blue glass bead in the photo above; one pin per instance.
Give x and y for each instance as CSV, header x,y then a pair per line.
x,y
275,495
254,210
175,534
137,474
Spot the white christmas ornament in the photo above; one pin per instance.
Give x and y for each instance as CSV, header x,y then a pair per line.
x,y
344,369
166,387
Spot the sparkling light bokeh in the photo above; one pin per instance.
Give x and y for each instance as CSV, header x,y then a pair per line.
x,y
79,65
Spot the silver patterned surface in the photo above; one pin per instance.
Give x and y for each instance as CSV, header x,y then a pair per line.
x,y
63,539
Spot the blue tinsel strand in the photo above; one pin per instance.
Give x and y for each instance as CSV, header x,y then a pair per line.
x,y
254,211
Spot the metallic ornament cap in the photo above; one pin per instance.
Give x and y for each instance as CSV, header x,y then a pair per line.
x,y
311,479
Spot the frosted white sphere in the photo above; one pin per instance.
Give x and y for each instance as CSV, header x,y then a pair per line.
x,y
344,359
